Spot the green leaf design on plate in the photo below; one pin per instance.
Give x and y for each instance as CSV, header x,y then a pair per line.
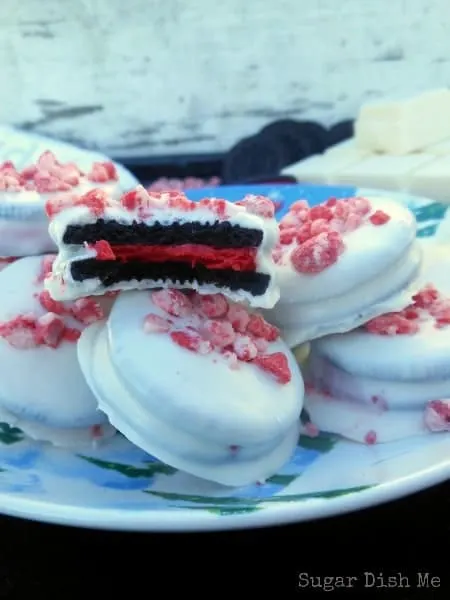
x,y
150,470
283,480
324,442
427,231
231,510
219,502
430,212
10,435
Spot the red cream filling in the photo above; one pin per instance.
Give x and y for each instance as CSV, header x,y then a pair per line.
x,y
237,259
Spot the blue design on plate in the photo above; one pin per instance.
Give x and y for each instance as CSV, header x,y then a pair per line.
x,y
121,477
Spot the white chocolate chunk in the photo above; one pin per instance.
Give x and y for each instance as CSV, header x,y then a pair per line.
x,y
383,172
432,180
400,127
440,149
347,148
323,168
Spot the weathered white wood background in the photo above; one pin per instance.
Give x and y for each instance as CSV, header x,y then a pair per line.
x,y
149,77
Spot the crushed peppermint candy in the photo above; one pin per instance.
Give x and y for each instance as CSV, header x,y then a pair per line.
x,y
103,250
370,438
6,260
143,203
164,184
50,329
428,304
210,323
258,205
96,201
312,238
310,430
437,415
46,267
49,175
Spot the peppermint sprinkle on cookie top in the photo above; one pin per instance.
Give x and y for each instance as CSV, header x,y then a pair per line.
x,y
428,305
209,323
56,325
49,175
143,204
313,237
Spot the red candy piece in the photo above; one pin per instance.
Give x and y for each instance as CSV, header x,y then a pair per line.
x,y
213,324
379,217
261,344
45,183
310,229
46,267
410,313
370,438
190,340
244,348
300,206
135,199
50,330
95,200
342,209
311,430
360,205
50,305
87,311
216,205
179,201
71,334
103,250
320,212
55,205
156,324
288,235
212,306
392,324
20,332
259,327
10,180
238,317
102,172
437,415
219,333
173,302
426,297
290,220
258,205
276,364
318,253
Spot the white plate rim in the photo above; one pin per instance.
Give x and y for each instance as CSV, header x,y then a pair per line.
x,y
190,520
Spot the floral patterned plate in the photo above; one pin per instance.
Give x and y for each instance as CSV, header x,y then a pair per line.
x,y
118,486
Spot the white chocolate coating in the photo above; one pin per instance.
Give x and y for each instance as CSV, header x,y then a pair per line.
x,y
368,382
68,437
369,279
41,388
188,409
